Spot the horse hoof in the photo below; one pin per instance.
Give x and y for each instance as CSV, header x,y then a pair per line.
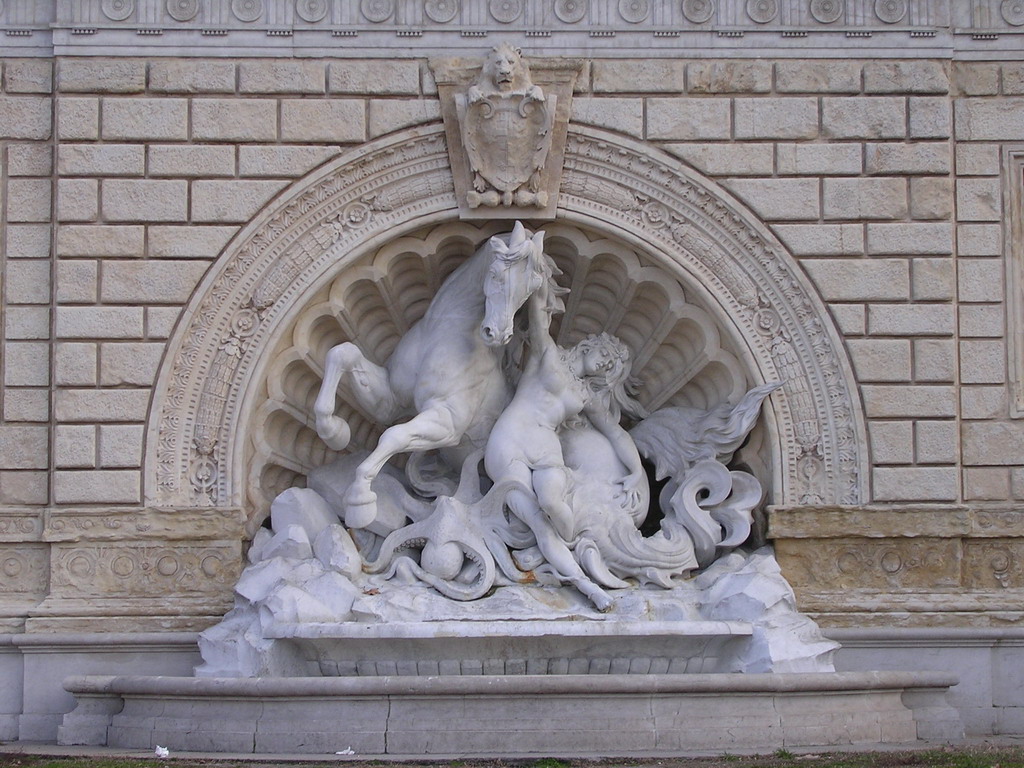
x,y
360,509
334,431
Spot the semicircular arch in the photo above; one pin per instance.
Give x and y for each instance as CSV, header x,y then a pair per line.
x,y
289,256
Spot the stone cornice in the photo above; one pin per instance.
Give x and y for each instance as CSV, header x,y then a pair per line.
x,y
388,28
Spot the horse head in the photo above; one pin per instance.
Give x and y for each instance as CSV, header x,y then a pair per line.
x,y
519,268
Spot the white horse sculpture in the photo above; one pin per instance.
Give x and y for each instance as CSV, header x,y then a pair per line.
x,y
446,372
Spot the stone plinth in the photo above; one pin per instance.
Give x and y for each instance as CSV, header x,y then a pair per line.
x,y
510,715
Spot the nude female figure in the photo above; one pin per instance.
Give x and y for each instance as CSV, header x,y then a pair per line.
x,y
560,385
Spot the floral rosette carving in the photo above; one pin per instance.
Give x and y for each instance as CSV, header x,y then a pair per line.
x,y
698,11
441,11
311,11
890,11
505,11
118,10
1012,12
182,10
762,11
247,10
827,11
377,10
571,11
634,11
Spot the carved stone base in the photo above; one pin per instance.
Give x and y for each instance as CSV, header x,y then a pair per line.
x,y
903,566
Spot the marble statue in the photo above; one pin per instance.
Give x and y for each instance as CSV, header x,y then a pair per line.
x,y
562,489
522,496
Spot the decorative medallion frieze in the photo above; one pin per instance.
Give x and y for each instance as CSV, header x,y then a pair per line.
x,y
615,184
891,11
827,11
247,10
571,11
762,11
441,11
377,11
634,11
118,10
698,11
1012,12
311,11
182,10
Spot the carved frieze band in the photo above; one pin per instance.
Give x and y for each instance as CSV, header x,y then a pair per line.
x,y
395,184
559,14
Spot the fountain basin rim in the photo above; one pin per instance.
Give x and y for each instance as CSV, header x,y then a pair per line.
x,y
509,629
491,685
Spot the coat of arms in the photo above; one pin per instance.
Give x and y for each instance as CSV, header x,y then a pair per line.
x,y
506,125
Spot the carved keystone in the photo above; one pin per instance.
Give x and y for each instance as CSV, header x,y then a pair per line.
x,y
506,122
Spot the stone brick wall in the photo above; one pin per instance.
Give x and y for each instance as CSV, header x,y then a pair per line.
x,y
124,178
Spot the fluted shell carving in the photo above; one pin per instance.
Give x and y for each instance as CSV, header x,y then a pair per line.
x,y
679,355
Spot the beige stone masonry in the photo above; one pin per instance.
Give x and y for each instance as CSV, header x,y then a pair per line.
x,y
149,119
689,119
864,117
379,78
287,76
88,75
729,77
191,76
625,115
646,76
234,119
789,118
282,161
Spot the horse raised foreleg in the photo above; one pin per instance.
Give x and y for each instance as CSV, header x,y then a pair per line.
x,y
369,386
433,428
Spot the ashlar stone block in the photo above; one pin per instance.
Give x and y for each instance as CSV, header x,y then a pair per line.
x,y
75,364
77,200
865,198
160,321
977,160
876,360
691,119
860,279
101,160
29,160
638,76
26,364
96,487
982,321
377,77
983,403
891,442
910,319
25,117
913,401
28,200
725,159
27,405
24,447
935,442
818,159
979,199
910,239
28,241
729,77
234,119
932,279
99,322
178,160
101,75
620,114
988,119
987,483
100,240
971,78
930,117
101,405
129,363
140,200
810,76
281,76
188,242
864,117
786,118
979,239
915,483
75,446
191,76
120,445
77,281
387,115
905,76
27,281
982,361
790,199
980,280
334,120
931,198
160,281
822,239
78,118
934,360
255,161
24,487
151,119
28,76
912,158
27,322
231,201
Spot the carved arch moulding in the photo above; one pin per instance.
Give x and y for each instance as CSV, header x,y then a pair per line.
x,y
326,260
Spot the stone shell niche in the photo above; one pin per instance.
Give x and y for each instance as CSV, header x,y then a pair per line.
x,y
677,350
704,294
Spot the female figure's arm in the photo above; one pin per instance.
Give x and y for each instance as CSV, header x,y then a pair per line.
x,y
625,450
